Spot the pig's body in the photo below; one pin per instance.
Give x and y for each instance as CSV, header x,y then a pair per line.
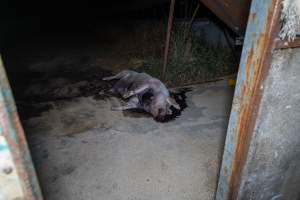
x,y
145,92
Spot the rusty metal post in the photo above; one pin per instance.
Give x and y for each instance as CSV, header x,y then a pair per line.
x,y
17,175
167,44
262,29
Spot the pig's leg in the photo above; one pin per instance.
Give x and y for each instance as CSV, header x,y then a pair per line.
x,y
125,107
121,86
132,103
117,76
136,91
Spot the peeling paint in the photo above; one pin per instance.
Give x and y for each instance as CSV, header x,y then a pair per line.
x,y
3,147
21,181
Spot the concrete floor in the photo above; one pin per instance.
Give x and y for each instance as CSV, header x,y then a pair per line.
x,y
82,150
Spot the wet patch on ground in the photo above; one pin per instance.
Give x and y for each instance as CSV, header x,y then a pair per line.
x,y
63,86
65,117
38,93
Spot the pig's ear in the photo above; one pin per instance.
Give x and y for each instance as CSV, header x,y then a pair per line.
x,y
172,102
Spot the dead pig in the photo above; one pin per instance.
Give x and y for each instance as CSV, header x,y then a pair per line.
x,y
144,92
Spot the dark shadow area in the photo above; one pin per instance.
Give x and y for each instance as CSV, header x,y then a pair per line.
x,y
58,51
56,54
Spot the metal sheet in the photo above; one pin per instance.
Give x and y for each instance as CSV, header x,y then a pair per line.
x,y
233,12
16,168
262,29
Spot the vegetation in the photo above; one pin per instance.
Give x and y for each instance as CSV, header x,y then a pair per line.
x,y
191,60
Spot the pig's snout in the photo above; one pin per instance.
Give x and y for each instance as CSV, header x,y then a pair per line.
x,y
160,118
159,114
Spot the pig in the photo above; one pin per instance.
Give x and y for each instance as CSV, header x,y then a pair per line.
x,y
144,92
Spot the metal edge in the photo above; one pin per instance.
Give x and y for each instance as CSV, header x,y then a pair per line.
x,y
12,131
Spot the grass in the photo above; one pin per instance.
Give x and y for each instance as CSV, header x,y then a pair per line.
x,y
191,60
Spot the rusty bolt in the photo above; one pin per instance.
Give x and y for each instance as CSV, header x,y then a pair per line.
x,y
7,170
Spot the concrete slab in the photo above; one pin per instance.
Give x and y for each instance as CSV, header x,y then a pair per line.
x,y
82,150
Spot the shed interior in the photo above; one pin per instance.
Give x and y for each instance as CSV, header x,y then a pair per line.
x,y
56,54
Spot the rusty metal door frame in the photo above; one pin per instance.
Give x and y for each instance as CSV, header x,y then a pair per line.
x,y
18,179
260,40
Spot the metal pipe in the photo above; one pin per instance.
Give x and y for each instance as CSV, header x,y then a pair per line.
x,y
170,22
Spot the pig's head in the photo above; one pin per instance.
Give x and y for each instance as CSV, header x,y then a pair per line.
x,y
160,106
